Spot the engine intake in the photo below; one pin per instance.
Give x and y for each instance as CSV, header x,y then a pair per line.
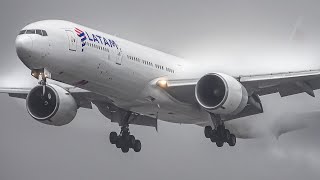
x,y
55,107
221,94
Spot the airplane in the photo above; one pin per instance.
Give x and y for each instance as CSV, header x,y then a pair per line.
x,y
78,67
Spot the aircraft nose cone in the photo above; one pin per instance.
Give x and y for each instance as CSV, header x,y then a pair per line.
x,y
24,46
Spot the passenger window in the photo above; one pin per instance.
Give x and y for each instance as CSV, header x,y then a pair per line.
x,y
44,33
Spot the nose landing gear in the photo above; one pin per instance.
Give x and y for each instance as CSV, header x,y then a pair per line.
x,y
41,75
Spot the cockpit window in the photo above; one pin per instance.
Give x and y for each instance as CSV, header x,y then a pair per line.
x,y
34,31
44,33
22,32
31,31
38,31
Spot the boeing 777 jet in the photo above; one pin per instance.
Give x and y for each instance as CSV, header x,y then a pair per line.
x,y
78,67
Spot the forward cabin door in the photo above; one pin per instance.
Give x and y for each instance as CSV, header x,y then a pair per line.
x,y
119,57
72,40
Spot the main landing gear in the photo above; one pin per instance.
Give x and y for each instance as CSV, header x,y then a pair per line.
x,y
125,140
220,134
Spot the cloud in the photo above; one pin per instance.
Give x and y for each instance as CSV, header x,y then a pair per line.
x,y
297,154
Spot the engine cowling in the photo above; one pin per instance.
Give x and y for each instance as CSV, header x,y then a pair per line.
x,y
221,94
57,107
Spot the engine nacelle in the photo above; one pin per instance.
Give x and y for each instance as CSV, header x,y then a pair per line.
x,y
221,94
56,107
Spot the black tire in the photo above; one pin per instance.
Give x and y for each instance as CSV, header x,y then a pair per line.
x,y
233,140
113,137
131,141
219,143
214,132
214,138
208,131
125,149
118,144
137,146
226,135
220,131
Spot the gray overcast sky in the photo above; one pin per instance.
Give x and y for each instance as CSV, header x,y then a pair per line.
x,y
191,29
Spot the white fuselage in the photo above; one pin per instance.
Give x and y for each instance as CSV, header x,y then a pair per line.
x,y
125,72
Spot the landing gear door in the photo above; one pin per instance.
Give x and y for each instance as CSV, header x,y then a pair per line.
x,y
72,40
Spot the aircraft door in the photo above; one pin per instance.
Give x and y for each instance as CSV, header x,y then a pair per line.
x,y
115,56
119,57
72,40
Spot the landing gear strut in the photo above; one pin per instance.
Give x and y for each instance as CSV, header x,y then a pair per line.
x,y
220,134
41,75
125,140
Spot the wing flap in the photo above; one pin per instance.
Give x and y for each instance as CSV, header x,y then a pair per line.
x,y
285,84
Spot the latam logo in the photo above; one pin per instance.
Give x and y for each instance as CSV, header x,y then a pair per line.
x,y
95,38
83,37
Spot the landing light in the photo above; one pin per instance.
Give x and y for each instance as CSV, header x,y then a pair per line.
x,y
162,83
34,74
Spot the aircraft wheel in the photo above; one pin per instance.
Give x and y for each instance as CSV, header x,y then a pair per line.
x,y
208,131
125,149
120,142
137,146
233,140
113,137
214,137
226,135
219,143
131,141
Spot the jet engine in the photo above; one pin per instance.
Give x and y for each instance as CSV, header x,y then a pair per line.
x,y
221,94
51,104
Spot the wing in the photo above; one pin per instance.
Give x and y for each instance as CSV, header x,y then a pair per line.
x,y
85,99
286,84
81,96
